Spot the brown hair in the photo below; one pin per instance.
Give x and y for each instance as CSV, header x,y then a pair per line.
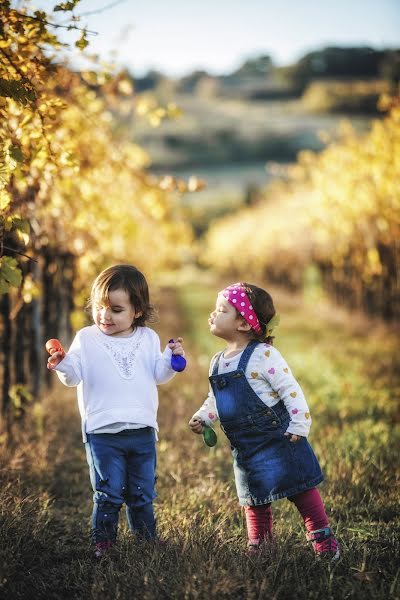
x,y
264,308
130,279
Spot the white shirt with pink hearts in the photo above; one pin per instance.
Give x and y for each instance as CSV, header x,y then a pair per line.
x,y
271,378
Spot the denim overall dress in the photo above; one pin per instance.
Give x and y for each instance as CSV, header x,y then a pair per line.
x,y
266,464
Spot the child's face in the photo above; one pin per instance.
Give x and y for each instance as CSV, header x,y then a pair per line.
x,y
118,317
224,321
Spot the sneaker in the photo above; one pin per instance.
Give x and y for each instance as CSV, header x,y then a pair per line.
x,y
324,543
102,548
253,549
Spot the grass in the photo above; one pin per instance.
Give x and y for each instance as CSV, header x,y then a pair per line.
x,y
350,376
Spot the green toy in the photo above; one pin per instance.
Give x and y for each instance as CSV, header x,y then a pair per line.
x,y
209,436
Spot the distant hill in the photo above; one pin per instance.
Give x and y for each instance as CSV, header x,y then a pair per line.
x,y
259,79
262,112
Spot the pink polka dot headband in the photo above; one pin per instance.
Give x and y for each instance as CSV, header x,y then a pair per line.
x,y
237,296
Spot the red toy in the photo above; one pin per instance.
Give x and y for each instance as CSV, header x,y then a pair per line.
x,y
52,346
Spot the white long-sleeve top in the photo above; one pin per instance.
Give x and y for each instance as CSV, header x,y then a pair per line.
x,y
116,377
270,377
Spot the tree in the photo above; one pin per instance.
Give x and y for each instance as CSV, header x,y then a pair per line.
x,y
74,195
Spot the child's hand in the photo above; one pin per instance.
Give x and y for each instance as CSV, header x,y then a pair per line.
x,y
176,346
293,437
55,359
56,352
196,425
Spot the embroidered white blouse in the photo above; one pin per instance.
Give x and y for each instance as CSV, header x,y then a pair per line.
x,y
270,377
116,378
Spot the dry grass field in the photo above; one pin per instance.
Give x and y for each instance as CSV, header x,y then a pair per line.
x,y
350,373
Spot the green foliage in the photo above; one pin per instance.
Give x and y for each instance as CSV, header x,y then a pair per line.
x,y
16,153
82,43
337,62
20,91
10,274
64,169
348,97
66,6
20,397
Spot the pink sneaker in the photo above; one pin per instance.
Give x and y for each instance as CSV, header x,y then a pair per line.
x,y
102,548
324,542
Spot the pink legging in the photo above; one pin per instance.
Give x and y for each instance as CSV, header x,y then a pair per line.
x,y
309,504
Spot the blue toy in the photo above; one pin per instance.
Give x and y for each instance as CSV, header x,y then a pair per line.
x,y
178,362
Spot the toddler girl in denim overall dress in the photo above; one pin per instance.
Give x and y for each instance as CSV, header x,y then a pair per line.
x,y
263,413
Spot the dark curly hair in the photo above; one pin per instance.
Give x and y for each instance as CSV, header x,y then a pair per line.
x,y
130,279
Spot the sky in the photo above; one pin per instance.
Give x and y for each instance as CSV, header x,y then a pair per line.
x,y
177,37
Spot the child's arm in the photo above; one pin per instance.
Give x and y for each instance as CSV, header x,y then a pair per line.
x,y
207,413
68,369
163,370
276,371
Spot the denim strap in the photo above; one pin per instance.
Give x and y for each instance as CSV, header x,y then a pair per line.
x,y
247,352
244,359
216,363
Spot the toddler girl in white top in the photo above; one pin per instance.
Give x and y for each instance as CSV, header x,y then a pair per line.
x,y
116,365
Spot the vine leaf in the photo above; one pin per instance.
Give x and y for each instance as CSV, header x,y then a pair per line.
x,y
10,274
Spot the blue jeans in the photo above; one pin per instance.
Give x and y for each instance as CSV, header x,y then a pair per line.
x,y
122,470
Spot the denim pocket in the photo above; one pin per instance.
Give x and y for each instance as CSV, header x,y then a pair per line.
x,y
265,422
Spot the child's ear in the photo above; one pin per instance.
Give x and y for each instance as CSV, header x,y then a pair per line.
x,y
243,325
138,314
